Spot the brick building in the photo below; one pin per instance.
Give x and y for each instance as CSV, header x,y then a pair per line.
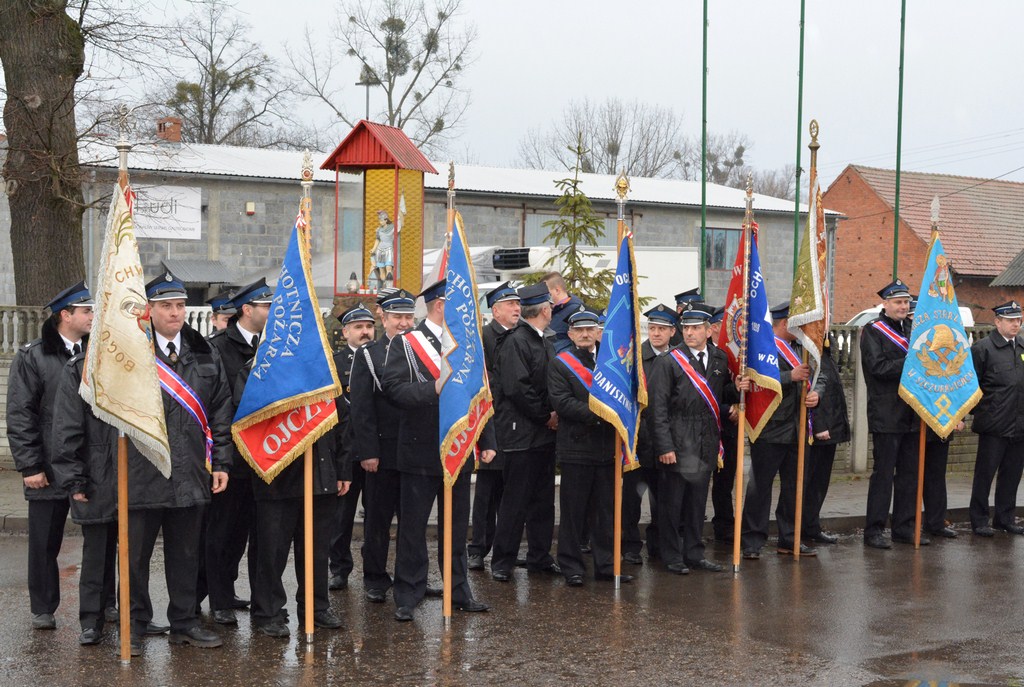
x,y
982,229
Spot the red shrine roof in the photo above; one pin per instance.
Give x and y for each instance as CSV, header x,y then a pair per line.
x,y
377,146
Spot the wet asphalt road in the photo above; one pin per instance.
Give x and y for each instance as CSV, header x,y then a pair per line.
x,y
953,611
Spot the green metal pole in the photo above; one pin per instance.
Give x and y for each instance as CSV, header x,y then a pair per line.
x,y
704,160
799,133
899,144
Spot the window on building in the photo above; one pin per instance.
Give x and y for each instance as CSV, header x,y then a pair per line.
x,y
721,248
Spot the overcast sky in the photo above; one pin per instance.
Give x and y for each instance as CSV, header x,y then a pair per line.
x,y
963,93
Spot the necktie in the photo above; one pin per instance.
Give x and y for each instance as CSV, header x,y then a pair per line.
x,y
171,354
255,341
76,349
700,360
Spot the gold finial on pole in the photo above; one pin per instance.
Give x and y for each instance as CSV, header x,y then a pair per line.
x,y
121,118
622,186
935,213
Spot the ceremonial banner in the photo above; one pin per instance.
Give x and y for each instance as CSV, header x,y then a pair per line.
x,y
120,379
465,402
808,302
762,363
288,400
938,379
618,393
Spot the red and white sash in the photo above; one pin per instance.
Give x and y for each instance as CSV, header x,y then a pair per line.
x,y
576,366
701,385
180,391
787,352
891,334
424,351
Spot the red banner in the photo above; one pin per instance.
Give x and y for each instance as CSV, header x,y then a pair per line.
x,y
465,441
272,439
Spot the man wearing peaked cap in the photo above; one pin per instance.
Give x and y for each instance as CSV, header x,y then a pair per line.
x,y
661,325
231,518
505,305
526,433
374,422
176,506
692,296
892,423
999,422
357,326
35,372
585,447
222,308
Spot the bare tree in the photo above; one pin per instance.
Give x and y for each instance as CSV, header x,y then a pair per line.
x,y
415,53
646,140
232,93
724,162
777,183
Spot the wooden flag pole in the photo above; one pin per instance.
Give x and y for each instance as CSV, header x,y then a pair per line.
x,y
307,489
748,228
124,600
446,570
801,448
920,487
621,188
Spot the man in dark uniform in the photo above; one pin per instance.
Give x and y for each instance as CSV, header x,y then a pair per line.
x,y
374,421
357,326
411,381
893,423
34,376
175,506
231,517
85,465
775,451
526,432
661,326
693,296
586,456
724,479
999,422
688,391
563,304
505,307
223,310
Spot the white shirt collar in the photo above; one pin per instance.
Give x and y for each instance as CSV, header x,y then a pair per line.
x,y
246,334
663,350
694,352
68,343
162,342
435,329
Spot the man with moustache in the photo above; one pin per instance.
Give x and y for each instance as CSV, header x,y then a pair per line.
x,y
506,308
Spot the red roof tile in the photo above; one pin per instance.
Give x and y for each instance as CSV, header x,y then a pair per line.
x,y
981,220
374,146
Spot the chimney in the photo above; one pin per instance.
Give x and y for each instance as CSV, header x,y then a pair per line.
x,y
169,129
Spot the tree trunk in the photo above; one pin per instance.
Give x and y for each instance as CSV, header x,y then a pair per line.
x,y
43,53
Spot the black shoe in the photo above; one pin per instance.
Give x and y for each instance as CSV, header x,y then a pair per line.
x,y
153,629
377,596
823,538
705,564
1012,529
275,628
434,592
877,541
633,558
786,548
574,580
520,562
603,577
90,637
678,568
945,532
476,562
550,568
752,555
404,614
43,621
111,614
237,602
909,539
196,636
500,575
135,645
337,582
984,531
225,617
326,619
471,606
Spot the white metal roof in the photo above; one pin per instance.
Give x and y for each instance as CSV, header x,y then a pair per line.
x,y
261,163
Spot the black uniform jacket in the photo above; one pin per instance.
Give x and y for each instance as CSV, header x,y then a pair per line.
x,y
494,335
33,379
374,417
583,438
680,418
1000,368
523,360
200,366
85,451
831,414
236,353
882,362
343,434
644,441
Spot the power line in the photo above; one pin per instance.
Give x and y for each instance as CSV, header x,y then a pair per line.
x,y
936,146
